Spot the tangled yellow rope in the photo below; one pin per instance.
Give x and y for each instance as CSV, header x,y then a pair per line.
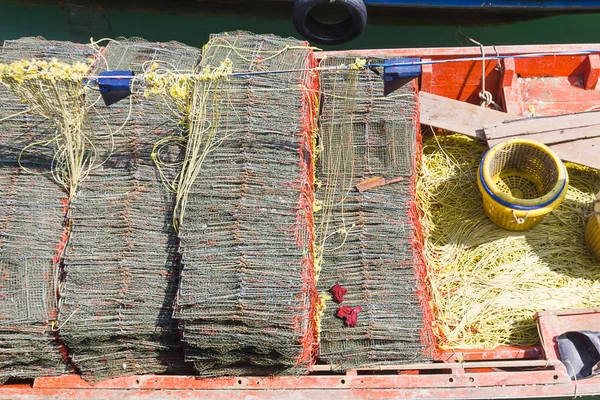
x,y
487,283
55,91
190,97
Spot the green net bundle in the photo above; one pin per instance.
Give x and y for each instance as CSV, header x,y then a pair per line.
x,y
122,266
367,242
32,222
195,237
247,295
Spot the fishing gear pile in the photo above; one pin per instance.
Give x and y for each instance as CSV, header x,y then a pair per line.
x,y
33,203
180,228
367,242
247,291
121,265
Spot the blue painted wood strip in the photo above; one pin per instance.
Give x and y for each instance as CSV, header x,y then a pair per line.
x,y
499,4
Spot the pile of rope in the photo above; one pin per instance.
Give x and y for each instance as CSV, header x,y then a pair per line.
x,y
189,96
33,204
367,242
121,266
487,283
247,293
54,90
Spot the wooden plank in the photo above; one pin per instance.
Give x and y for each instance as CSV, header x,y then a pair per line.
x,y
554,136
458,116
541,126
376,182
468,119
584,152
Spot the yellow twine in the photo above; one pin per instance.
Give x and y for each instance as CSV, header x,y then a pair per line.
x,y
189,96
358,65
321,306
54,90
486,283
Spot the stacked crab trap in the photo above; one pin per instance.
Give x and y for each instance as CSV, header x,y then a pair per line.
x,y
199,224
121,264
32,230
247,293
367,239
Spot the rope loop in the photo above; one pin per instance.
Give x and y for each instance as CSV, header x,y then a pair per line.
x,y
520,220
486,98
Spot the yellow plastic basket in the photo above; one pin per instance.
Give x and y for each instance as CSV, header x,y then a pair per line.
x,y
521,181
592,230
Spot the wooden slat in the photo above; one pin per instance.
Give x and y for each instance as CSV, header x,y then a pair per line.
x,y
554,136
574,137
458,116
548,130
584,152
376,182
468,119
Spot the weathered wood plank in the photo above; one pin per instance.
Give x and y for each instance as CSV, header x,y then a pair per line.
x,y
584,152
458,116
547,130
554,136
468,119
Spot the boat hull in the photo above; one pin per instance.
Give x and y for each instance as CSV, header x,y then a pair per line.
x,y
507,372
491,5
508,5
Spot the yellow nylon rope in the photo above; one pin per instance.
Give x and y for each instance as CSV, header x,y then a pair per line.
x,y
54,90
487,283
189,97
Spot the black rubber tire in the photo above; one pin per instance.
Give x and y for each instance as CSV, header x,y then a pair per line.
x,y
338,33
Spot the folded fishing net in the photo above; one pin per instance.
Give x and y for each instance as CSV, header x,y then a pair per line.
x,y
368,242
247,294
121,266
32,223
211,158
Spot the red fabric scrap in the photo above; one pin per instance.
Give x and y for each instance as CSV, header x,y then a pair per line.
x,y
350,314
338,292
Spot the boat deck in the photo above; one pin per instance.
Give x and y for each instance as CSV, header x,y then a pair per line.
x,y
479,371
